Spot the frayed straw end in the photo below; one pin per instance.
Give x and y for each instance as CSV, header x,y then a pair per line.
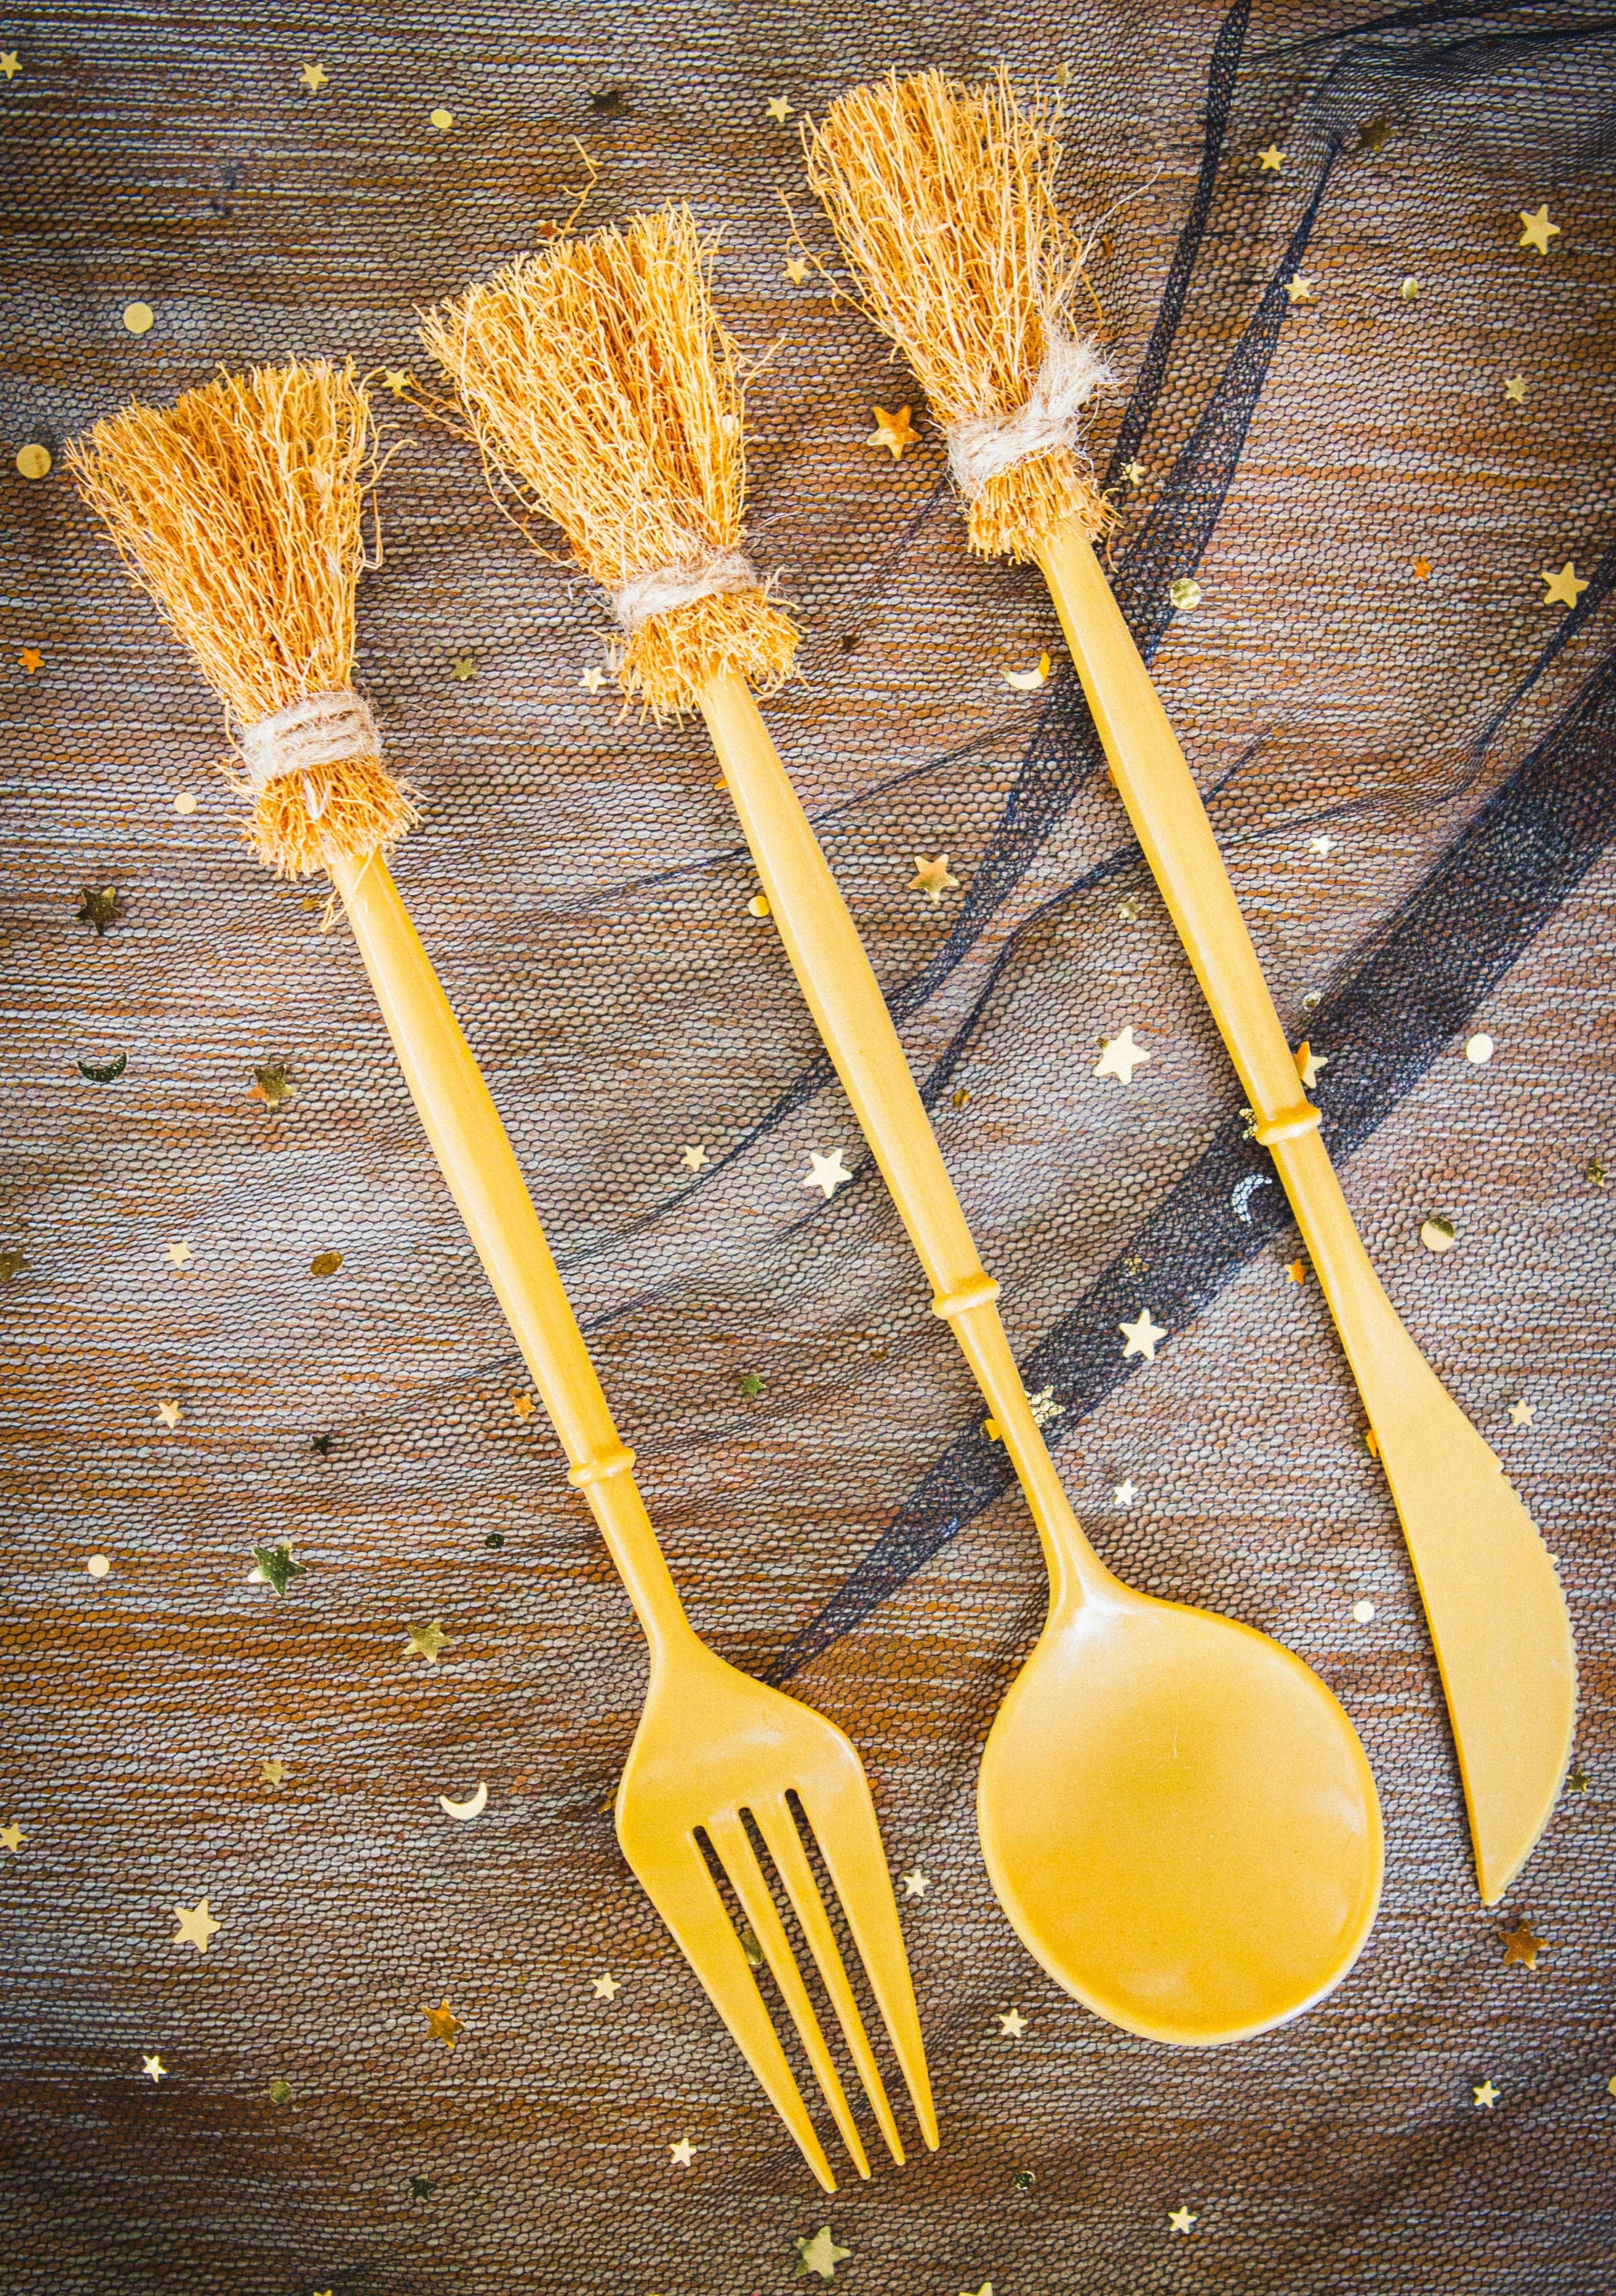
x,y
736,633
1018,508
301,819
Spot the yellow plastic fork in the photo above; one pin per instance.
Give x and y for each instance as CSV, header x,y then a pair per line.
x,y
713,1748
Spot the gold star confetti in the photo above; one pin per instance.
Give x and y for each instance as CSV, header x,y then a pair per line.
x,y
426,1642
828,1172
1422,569
313,76
1479,1050
153,2068
593,679
99,1565
441,120
1521,1945
961,1096
397,380
1594,1172
1127,910
522,1404
1522,1414
1124,1494
778,109
1271,161
607,1986
916,1883
1182,2219
1373,138
461,666
894,432
932,877
30,658
12,1835
1119,1056
986,2289
1133,473
271,1085
1537,231
1044,1408
1565,589
1363,1611
1515,389
1409,289
1296,1272
1142,1336
1438,1233
1300,289
196,1925
1012,2022
1184,595
443,2023
100,906
179,1254
1309,1062
683,2153
1577,1783
820,2254
1028,681
273,1772
751,1385
169,1414
9,64
140,319
273,1566
694,1158
1321,845
33,462
1487,2095
797,269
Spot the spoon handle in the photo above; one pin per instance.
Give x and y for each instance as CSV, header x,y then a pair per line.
x,y
1498,1618
476,1159
828,958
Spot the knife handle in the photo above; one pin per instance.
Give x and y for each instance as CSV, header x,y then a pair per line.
x,y
485,1181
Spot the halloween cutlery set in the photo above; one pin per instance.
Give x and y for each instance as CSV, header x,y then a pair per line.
x,y
1175,1812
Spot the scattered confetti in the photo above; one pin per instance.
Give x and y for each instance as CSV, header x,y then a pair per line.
x,y
778,109
1362,1613
986,2289
683,2153
273,1566
271,1085
472,1807
521,1404
593,679
103,1071
441,120
34,461
1271,161
894,432
1012,2022
1422,569
12,1835
273,1772
426,1642
1120,1055
1487,2095
1438,1233
397,380
1044,1408
1521,1945
153,2068
10,64
196,1925
758,905
1023,2180
1577,1783
961,1096
13,1260
1537,231
1133,473
138,319
1127,910
1142,1337
184,801
1309,1062
1410,289
444,2024
169,1414
1373,138
1522,1414
932,878
100,906
421,2188
1321,845
1184,595
916,1883
30,658
1515,389
1124,1494
828,1172
751,1385
797,269
325,1263
820,2254
1182,2219
313,76
1300,288
99,1565
1565,589
1028,681
462,666
1594,1172
694,1158
607,1986
179,1254
1479,1050
1296,1272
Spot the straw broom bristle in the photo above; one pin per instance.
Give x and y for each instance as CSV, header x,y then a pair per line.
x,y
239,510
598,379
942,200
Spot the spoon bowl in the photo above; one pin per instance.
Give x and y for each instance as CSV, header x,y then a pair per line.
x,y
1178,1819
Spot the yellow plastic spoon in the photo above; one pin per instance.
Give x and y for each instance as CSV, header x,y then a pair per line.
x,y
1175,1812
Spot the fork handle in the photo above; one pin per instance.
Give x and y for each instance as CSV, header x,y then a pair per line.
x,y
476,1159
828,958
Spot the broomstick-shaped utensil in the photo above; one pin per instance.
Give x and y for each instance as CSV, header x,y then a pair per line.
x,y
1175,1813
942,199
239,510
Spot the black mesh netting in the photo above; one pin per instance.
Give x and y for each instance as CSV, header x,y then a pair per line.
x,y
1411,773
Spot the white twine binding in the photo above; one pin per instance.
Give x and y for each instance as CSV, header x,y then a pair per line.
x,y
984,445
321,729
688,578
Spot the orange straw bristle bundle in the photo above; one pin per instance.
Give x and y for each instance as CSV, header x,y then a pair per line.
x,y
942,200
598,379
240,510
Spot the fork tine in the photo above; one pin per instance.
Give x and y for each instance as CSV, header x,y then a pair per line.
x,y
686,1896
843,1823
728,1836
779,1830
